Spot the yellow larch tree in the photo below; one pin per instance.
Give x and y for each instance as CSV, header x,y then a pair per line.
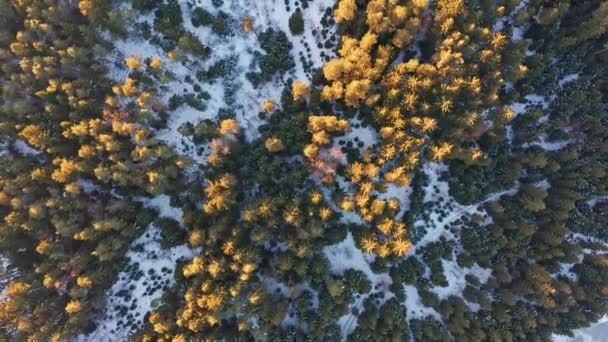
x,y
247,24
346,10
229,126
269,106
133,62
300,90
274,144
156,63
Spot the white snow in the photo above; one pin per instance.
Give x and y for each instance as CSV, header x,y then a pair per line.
x,y
347,216
274,286
566,270
543,119
532,100
346,256
437,191
162,203
401,193
549,146
7,274
455,278
348,322
246,104
517,32
150,270
597,199
509,133
568,78
88,186
499,25
25,149
367,135
414,307
590,239
3,149
543,184
529,52
273,13
520,6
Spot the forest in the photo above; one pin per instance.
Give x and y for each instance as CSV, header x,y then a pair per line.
x,y
303,170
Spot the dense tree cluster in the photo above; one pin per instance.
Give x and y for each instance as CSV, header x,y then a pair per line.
x,y
67,218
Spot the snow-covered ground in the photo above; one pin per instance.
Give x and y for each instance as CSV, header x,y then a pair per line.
x,y
25,149
401,193
549,145
163,205
530,101
7,273
455,275
517,32
346,256
139,287
364,137
414,307
567,79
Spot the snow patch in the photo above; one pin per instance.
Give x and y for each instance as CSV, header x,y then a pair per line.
x,y
414,307
25,149
401,193
162,203
456,278
595,200
549,146
567,79
346,256
532,100
367,135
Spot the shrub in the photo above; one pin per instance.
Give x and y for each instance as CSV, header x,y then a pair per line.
x,y
144,5
190,43
200,17
219,23
168,19
296,23
170,231
277,58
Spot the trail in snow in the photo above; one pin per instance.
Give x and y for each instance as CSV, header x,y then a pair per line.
x,y
437,225
139,287
346,256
